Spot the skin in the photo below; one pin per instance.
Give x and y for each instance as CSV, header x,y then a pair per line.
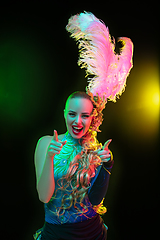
x,y
77,113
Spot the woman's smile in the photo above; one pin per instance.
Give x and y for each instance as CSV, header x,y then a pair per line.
x,y
77,129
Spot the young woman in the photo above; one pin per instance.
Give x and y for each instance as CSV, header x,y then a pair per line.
x,y
73,172
73,169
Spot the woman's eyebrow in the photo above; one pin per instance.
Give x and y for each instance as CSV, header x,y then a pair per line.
x,y
81,113
71,111
86,113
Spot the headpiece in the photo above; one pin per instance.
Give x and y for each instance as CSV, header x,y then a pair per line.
x,y
106,71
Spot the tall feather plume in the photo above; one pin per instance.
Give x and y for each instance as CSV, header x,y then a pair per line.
x,y
107,71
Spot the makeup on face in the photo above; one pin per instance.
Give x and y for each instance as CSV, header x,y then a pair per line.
x,y
78,116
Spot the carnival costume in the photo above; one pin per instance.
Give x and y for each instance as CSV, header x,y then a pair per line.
x,y
78,217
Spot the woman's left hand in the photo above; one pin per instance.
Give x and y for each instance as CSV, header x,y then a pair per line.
x,y
104,153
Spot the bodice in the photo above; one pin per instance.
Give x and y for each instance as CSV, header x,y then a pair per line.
x,y
61,165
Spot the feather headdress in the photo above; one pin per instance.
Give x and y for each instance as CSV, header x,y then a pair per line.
x,y
106,70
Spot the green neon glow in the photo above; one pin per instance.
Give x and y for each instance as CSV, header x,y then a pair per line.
x,y
22,78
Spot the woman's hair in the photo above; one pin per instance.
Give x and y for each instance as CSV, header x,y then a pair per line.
x,y
83,167
79,94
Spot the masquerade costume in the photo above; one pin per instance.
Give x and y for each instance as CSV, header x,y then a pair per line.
x,y
66,215
71,218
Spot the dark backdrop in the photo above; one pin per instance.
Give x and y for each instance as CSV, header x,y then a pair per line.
x,y
38,71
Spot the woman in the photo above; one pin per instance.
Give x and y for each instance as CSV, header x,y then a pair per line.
x,y
73,172
73,169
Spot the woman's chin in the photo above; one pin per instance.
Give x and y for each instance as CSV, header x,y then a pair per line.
x,y
76,136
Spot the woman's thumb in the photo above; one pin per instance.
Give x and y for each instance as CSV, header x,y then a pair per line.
x,y
55,136
105,147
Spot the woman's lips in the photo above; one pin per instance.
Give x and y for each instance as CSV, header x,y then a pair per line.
x,y
77,130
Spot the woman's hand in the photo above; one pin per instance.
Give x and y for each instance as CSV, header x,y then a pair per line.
x,y
55,145
105,153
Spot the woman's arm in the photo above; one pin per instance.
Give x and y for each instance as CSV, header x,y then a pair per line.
x,y
99,184
46,149
44,170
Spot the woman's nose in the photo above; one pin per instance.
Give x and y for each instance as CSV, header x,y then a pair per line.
x,y
78,120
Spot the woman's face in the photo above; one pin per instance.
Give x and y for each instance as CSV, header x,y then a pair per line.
x,y
78,116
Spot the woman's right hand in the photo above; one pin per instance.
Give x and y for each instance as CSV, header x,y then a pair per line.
x,y
55,145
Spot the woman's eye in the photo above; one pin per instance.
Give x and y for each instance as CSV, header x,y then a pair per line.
x,y
85,116
71,114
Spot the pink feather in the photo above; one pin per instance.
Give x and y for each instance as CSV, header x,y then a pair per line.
x,y
97,55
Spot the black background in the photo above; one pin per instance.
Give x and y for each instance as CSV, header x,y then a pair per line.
x,y
38,72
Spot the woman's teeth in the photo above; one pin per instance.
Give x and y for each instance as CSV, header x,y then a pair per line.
x,y
76,130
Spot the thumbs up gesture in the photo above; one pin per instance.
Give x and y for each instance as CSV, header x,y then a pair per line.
x,y
104,153
55,145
